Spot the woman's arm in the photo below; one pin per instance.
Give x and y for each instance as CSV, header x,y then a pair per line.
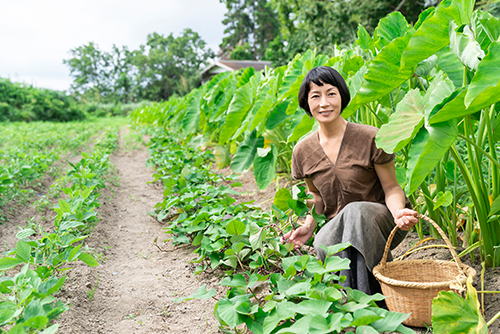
x,y
303,233
317,200
395,197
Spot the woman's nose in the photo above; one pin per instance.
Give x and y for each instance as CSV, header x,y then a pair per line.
x,y
324,101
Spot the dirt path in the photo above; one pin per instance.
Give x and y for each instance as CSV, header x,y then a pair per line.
x,y
135,284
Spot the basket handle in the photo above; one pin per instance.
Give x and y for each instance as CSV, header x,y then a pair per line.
x,y
443,235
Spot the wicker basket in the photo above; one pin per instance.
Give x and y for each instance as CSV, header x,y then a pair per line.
x,y
411,285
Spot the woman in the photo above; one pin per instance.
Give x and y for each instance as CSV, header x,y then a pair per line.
x,y
353,182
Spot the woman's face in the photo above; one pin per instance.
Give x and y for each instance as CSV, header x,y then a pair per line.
x,y
325,102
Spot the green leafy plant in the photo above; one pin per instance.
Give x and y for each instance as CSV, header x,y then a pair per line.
x,y
26,301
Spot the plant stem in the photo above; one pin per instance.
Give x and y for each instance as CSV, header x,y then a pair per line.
x,y
495,317
478,205
490,157
483,267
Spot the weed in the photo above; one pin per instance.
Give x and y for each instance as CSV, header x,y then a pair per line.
x,y
91,292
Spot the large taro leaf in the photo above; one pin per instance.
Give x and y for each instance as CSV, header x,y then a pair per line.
x,y
221,97
428,147
266,100
245,153
439,90
383,75
262,102
222,155
426,66
354,82
486,28
365,41
260,95
245,77
403,124
389,28
191,118
453,314
214,88
465,47
264,166
305,125
454,106
241,103
222,107
319,60
278,115
466,8
487,74
432,35
449,63
293,76
350,66
423,16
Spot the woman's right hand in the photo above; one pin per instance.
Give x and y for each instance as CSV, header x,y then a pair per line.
x,y
300,235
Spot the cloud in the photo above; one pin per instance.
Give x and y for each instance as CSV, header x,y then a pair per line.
x,y
38,34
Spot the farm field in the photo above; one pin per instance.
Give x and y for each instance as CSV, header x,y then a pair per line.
x,y
183,216
133,288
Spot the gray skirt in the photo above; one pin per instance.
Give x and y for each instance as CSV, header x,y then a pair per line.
x,y
366,226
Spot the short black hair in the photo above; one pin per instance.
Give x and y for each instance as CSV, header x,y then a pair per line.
x,y
323,75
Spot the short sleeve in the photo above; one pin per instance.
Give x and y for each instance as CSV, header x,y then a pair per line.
x,y
297,172
379,156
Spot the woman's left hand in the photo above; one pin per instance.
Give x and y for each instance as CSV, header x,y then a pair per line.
x,y
405,219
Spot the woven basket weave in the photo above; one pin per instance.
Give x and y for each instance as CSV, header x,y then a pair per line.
x,y
410,285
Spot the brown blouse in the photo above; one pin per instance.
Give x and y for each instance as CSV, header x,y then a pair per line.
x,y
352,178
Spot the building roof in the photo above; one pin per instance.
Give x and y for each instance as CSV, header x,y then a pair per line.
x,y
233,65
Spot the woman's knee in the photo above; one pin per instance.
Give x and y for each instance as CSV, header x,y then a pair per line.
x,y
370,209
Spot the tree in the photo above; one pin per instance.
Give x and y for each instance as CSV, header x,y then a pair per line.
x,y
122,73
323,24
164,66
168,65
89,69
248,21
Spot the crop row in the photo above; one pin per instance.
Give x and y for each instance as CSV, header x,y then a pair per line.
x,y
27,301
29,150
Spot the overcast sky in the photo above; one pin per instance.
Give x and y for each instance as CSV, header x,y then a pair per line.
x,y
36,35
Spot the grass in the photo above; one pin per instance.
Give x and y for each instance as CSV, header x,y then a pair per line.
x,y
91,292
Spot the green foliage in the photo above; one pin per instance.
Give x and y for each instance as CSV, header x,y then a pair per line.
x,y
250,26
302,295
20,102
434,99
309,24
412,95
27,304
164,66
242,52
29,150
453,314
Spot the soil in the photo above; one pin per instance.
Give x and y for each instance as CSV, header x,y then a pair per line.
x,y
135,283
132,289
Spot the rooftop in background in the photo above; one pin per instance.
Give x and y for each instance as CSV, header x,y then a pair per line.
x,y
231,65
